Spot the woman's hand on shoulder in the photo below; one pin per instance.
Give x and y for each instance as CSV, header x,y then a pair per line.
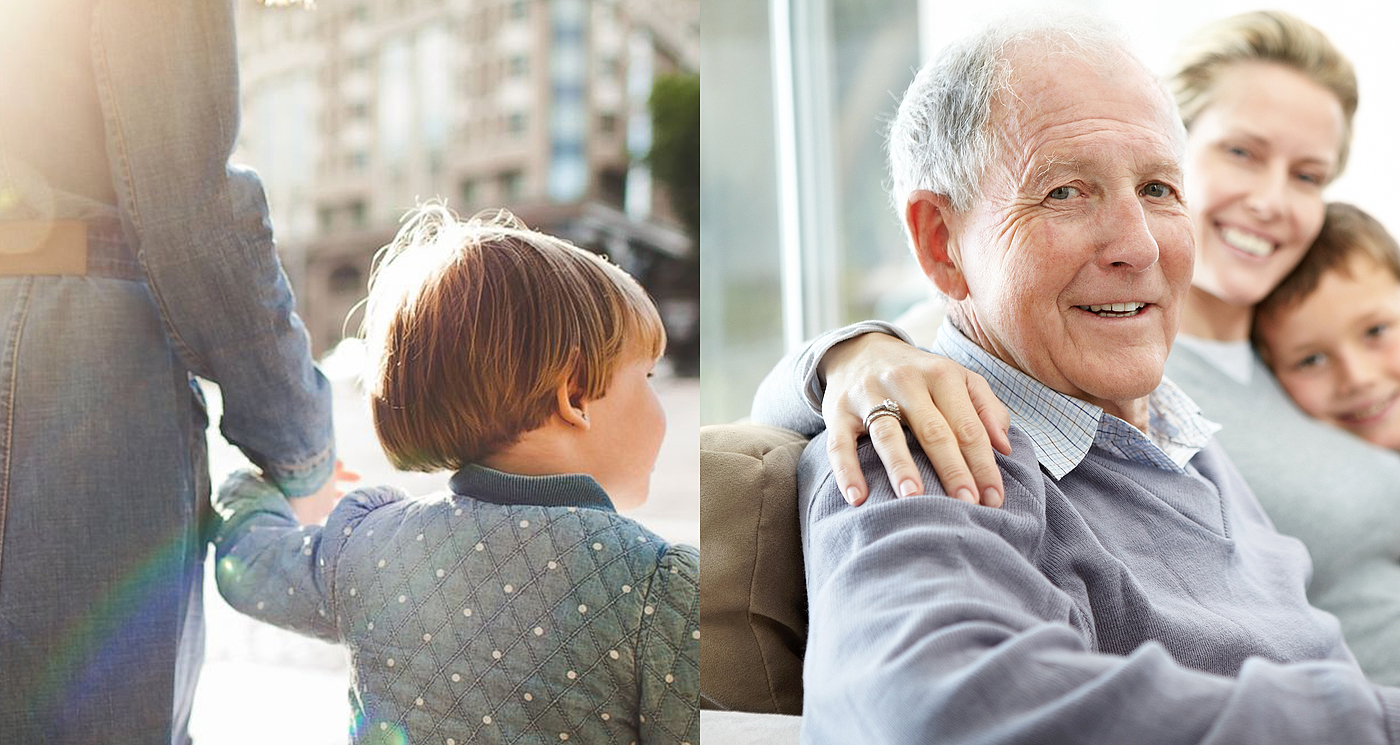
x,y
950,409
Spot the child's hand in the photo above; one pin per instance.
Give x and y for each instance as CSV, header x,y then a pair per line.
x,y
313,509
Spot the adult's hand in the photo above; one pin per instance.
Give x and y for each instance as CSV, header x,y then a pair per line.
x,y
313,508
950,410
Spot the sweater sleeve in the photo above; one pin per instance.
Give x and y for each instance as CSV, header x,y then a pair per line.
x,y
791,394
668,654
274,569
931,616
202,229
267,562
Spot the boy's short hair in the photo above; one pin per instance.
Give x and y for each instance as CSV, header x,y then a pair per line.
x,y
1346,232
472,326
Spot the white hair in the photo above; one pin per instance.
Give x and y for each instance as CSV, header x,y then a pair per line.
x,y
942,139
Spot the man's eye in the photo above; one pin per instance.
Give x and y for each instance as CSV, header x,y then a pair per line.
x,y
1064,192
1156,190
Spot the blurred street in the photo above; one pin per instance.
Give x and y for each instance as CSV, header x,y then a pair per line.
x,y
297,686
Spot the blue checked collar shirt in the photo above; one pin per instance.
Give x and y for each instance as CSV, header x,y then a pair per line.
x,y
1062,429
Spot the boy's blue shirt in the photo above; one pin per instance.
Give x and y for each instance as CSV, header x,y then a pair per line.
x,y
510,608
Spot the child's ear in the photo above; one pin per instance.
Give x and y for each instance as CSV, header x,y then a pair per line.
x,y
573,409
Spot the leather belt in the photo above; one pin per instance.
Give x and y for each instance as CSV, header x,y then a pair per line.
x,y
93,248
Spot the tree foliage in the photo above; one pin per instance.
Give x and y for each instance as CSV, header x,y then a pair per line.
x,y
675,151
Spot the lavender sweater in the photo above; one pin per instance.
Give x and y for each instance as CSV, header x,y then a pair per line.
x,y
1122,603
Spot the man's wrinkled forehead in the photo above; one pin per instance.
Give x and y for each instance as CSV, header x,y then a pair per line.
x,y
1044,119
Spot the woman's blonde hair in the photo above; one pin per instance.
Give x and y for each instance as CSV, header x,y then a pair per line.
x,y
1262,36
473,325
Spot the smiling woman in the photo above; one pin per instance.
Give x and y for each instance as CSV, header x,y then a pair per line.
x,y
1258,159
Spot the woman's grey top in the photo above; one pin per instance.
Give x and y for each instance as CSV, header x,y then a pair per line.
x,y
1337,493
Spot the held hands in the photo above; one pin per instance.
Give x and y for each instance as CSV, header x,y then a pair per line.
x,y
313,509
950,410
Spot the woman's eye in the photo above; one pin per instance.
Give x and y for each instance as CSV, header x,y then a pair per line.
x,y
1238,152
1377,330
1064,192
1156,190
1310,178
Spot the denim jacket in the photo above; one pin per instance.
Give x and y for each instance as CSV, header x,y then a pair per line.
x,y
103,479
511,609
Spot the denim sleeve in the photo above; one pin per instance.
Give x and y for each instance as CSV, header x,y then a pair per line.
x,y
668,653
167,78
267,565
791,395
930,620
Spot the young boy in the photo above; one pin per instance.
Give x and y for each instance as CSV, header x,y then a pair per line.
x,y
1331,330
518,606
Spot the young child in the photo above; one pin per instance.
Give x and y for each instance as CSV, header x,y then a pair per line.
x,y
1331,330
518,606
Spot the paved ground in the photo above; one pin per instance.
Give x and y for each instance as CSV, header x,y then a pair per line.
x,y
264,685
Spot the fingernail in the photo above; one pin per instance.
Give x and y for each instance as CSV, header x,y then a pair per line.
x,y
991,496
852,494
908,488
965,494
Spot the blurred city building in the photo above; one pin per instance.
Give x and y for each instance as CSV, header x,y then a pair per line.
x,y
353,111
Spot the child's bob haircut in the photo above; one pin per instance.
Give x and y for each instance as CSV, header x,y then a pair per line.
x,y
1347,231
472,327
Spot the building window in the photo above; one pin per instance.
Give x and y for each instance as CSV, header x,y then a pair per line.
x,y
512,185
519,9
609,68
346,280
466,191
357,160
516,122
519,66
607,123
612,186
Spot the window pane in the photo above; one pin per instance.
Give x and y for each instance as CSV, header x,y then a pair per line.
x,y
741,323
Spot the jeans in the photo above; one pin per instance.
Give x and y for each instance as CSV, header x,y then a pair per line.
x,y
103,479
104,486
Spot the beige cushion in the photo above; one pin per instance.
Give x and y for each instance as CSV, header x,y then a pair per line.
x,y
753,611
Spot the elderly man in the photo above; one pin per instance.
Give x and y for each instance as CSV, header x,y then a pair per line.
x,y
1130,589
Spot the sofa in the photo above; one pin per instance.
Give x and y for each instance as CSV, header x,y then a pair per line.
x,y
753,614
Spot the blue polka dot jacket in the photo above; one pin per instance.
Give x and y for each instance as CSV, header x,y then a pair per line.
x,y
511,609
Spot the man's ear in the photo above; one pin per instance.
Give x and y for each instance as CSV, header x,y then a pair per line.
x,y
571,406
926,215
